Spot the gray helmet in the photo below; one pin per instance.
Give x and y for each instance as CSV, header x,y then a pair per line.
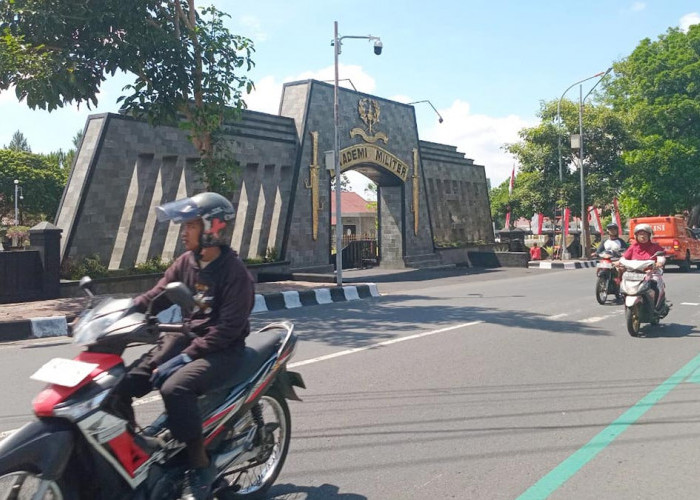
x,y
216,212
643,227
612,225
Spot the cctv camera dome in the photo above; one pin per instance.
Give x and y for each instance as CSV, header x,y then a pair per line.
x,y
378,47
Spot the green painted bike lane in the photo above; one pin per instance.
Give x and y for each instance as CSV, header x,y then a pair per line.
x,y
569,467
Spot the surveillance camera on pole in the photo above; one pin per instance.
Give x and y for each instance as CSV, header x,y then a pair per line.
x,y
378,47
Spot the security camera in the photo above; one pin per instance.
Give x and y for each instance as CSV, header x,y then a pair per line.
x,y
378,47
440,120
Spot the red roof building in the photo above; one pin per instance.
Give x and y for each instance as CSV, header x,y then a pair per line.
x,y
359,215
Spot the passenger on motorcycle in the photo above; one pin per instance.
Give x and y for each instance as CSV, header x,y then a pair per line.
x,y
645,249
613,244
184,366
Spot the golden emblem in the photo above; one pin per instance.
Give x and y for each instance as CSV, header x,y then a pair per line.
x,y
369,112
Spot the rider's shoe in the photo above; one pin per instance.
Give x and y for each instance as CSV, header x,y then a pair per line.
x,y
198,483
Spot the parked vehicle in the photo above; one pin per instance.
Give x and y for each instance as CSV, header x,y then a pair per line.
x,y
607,277
641,302
671,232
82,446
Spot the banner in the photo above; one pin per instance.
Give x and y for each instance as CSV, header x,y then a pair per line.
x,y
565,224
512,182
616,215
507,228
536,223
594,217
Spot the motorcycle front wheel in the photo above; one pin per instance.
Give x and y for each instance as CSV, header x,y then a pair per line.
x,y
26,484
632,317
601,289
252,480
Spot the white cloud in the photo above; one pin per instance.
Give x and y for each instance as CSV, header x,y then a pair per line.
x,y
253,26
688,20
638,6
479,137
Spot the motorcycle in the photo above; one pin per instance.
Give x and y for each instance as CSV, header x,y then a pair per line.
x,y
641,302
83,446
608,278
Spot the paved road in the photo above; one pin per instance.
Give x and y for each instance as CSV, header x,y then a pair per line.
x,y
503,385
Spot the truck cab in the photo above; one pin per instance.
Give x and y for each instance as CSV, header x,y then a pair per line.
x,y
681,243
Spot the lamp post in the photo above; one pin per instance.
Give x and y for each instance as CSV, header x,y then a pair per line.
x,y
583,207
440,120
18,191
336,43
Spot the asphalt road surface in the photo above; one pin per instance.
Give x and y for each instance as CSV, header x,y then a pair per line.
x,y
507,384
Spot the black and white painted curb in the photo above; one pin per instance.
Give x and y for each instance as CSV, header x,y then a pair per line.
x,y
548,264
57,326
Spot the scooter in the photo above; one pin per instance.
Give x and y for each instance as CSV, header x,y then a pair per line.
x,y
608,278
641,302
81,446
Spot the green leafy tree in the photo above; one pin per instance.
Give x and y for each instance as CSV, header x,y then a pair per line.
x,y
537,186
657,93
189,69
42,185
19,143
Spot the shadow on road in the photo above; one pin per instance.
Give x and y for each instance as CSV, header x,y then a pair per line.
x,y
365,322
666,331
323,492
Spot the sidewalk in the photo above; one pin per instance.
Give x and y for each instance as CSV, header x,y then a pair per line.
x,y
50,318
560,264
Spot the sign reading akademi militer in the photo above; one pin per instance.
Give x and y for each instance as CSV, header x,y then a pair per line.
x,y
358,154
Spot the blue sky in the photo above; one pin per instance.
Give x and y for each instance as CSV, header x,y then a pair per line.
x,y
485,65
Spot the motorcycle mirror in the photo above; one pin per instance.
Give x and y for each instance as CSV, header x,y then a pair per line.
x,y
86,286
179,294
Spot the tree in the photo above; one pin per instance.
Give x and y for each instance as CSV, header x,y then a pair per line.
x,y
42,184
344,183
187,65
657,93
19,143
537,186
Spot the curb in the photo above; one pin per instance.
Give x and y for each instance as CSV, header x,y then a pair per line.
x,y
57,326
560,265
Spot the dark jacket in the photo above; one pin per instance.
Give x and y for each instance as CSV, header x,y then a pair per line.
x,y
225,294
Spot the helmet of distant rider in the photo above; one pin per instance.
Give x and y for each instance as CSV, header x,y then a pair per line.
x,y
643,227
612,225
216,212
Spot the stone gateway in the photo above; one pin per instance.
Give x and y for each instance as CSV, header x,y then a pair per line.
x,y
428,194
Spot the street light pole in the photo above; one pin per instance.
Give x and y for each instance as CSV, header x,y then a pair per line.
x,y
561,179
336,149
16,208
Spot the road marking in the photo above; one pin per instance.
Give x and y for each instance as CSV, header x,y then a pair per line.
x,y
594,319
569,467
557,316
690,304
157,397
381,344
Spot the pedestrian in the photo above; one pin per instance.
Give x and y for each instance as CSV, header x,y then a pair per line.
x,y
535,252
182,367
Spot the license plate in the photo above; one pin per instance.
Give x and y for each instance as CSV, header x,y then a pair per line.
x,y
65,372
632,276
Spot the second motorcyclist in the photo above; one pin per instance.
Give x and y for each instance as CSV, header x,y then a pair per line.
x,y
613,244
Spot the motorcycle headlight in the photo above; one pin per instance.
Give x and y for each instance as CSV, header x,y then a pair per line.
x,y
75,410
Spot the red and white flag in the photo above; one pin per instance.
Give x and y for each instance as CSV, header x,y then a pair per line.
x,y
512,182
594,217
507,228
616,215
536,223
565,224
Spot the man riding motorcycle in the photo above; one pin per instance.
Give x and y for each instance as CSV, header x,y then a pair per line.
x,y
645,249
613,244
184,366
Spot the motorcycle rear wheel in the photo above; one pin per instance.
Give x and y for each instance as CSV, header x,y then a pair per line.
x,y
254,482
26,484
601,289
633,322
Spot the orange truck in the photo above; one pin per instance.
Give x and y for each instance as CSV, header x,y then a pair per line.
x,y
671,232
